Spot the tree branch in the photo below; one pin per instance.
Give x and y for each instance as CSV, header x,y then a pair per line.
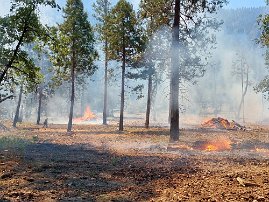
x,y
7,66
8,97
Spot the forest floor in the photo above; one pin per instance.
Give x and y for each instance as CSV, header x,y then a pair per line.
x,y
98,163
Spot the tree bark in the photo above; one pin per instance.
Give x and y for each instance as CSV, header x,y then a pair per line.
x,y
149,100
174,82
17,114
39,106
122,85
72,100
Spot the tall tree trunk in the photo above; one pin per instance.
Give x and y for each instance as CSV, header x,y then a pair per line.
x,y
215,92
174,82
82,108
72,100
39,106
149,100
106,73
105,88
122,85
17,114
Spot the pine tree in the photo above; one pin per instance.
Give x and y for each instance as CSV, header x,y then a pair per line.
x,y
73,49
124,40
150,14
46,87
102,8
187,26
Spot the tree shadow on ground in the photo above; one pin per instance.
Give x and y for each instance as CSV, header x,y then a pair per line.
x,y
49,171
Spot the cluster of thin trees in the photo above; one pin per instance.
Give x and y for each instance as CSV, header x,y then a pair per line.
x,y
125,35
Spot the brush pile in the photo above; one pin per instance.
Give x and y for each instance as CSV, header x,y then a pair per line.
x,y
221,123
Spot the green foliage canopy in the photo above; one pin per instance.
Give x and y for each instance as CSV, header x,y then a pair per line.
x,y
123,32
263,21
73,40
20,28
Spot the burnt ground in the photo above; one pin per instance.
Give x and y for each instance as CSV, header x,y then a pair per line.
x,y
97,163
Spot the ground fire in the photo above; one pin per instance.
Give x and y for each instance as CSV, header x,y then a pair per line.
x,y
88,116
221,123
219,144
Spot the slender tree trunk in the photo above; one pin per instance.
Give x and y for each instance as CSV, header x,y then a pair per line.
x,y
149,100
17,114
81,103
122,86
72,100
174,85
106,73
39,106
262,108
170,104
215,92
105,88
242,102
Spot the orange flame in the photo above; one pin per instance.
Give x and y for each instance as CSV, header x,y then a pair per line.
x,y
88,115
211,148
219,144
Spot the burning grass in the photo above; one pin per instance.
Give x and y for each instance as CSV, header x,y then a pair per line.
x,y
218,144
